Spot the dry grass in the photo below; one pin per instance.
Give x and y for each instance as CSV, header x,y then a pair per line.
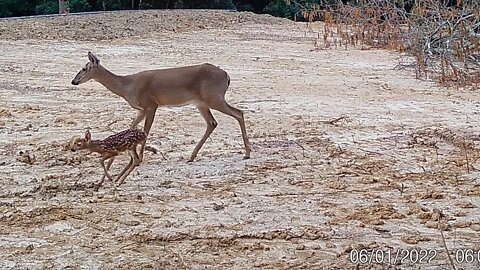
x,y
443,40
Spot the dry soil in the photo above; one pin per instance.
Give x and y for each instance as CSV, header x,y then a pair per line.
x,y
349,152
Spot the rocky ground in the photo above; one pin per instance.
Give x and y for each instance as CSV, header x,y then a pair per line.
x,y
349,153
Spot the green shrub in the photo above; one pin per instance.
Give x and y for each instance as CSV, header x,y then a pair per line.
x,y
145,5
280,8
246,7
47,7
205,4
6,7
78,6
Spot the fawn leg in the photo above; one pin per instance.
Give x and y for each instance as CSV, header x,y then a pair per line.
x,y
124,170
109,163
211,125
105,170
134,162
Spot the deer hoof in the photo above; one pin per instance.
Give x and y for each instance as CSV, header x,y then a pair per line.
x,y
119,182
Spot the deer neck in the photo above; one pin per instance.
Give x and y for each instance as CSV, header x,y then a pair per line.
x,y
114,83
95,146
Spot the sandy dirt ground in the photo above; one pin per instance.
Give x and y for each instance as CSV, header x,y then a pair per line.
x,y
349,153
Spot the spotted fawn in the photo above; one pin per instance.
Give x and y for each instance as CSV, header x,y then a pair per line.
x,y
111,147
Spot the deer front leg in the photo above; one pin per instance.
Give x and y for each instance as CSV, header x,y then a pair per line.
x,y
211,125
109,163
102,162
140,116
105,170
150,116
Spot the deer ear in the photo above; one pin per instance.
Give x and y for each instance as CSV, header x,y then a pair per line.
x,y
88,136
93,58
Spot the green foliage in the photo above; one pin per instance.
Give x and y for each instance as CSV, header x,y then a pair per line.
x,y
246,7
145,5
6,7
281,8
256,6
205,4
78,5
32,7
17,8
47,7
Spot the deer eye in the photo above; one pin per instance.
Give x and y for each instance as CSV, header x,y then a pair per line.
x,y
84,69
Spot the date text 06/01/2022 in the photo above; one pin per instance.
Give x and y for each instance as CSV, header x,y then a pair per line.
x,y
392,256
401,256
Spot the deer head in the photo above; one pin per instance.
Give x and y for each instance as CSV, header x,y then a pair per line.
x,y
82,143
88,71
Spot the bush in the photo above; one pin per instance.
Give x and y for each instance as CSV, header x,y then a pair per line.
x,y
246,7
47,7
5,8
280,8
256,6
442,36
78,6
206,4
144,5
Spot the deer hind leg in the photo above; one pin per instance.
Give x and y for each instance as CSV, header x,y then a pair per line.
x,y
124,170
211,125
223,107
134,162
150,116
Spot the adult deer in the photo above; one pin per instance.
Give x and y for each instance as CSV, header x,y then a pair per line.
x,y
201,85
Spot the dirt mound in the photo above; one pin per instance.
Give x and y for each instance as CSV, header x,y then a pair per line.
x,y
125,24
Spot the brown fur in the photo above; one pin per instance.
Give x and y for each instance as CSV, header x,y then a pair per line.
x,y
111,147
202,85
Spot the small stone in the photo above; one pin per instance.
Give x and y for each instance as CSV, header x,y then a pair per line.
x,y
330,245
300,247
431,224
475,227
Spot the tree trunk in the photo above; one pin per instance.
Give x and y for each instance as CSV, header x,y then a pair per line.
x,y
61,7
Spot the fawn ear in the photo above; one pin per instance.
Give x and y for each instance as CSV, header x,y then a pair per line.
x,y
88,136
93,58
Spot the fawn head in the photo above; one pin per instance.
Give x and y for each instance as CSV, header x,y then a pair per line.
x,y
88,71
81,143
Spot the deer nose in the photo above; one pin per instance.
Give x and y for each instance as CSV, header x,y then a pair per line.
x,y
74,82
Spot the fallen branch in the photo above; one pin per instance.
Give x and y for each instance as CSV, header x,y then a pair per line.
x,y
332,122
445,246
303,148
